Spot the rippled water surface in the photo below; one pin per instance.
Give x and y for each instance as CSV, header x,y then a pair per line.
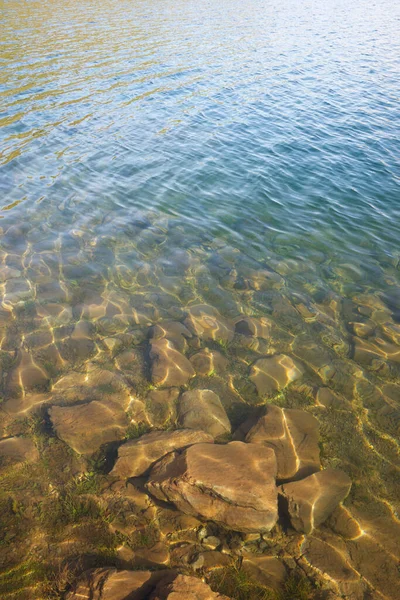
x,y
157,156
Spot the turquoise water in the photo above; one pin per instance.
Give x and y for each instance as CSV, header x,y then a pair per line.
x,y
156,155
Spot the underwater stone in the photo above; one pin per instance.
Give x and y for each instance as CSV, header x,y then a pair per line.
x,y
168,366
137,456
202,409
206,322
329,561
185,587
273,374
109,584
161,406
86,427
312,500
232,484
267,570
26,376
8,273
174,331
17,449
207,361
293,435
249,326
328,398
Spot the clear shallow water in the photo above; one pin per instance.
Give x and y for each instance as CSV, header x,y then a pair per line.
x,y
159,155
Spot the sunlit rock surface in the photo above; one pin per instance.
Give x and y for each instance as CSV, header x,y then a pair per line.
x,y
232,484
174,331
312,500
137,456
185,588
86,427
250,326
208,362
17,450
273,374
293,435
202,409
207,323
168,366
109,584
161,406
268,570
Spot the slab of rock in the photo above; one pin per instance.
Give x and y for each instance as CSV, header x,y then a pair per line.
x,y
293,435
206,322
232,484
17,449
326,397
267,570
312,500
208,361
327,559
273,374
174,331
27,376
86,427
137,456
109,584
202,409
184,587
168,366
249,326
161,406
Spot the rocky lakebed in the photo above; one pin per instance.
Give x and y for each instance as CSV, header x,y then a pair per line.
x,y
167,436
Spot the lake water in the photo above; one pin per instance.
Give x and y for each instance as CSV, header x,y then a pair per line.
x,y
155,156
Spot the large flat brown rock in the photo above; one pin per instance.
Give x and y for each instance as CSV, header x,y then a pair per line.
x,y
168,366
184,587
86,427
18,449
207,362
271,375
206,322
137,456
202,409
312,500
232,484
293,435
174,331
109,584
249,326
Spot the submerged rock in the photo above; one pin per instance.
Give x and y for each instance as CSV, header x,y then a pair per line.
x,y
174,331
268,570
185,587
109,584
86,427
206,322
273,374
232,484
17,449
312,500
329,561
206,362
168,366
27,376
250,326
293,435
202,409
161,406
137,456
